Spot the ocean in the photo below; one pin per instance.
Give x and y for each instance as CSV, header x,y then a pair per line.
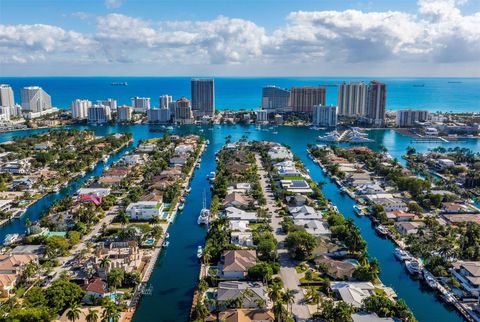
x,y
433,94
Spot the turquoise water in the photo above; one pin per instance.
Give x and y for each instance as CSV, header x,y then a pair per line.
x,y
176,271
445,94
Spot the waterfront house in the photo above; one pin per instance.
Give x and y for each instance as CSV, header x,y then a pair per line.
x,y
244,315
96,288
399,216
279,152
242,187
35,250
314,227
233,213
43,146
462,218
144,210
287,168
305,213
353,293
468,275
231,290
297,200
407,228
178,161
389,203
23,183
109,181
442,164
340,270
238,225
17,167
102,192
239,238
125,255
458,208
5,205
238,200
184,148
146,147
133,159
369,189
296,186
235,263
370,317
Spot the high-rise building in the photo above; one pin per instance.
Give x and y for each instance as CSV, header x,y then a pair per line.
x,y
275,98
6,96
35,99
165,101
352,99
183,111
5,113
408,118
99,114
325,115
141,103
79,109
302,99
110,102
124,113
15,111
376,103
262,116
203,96
159,115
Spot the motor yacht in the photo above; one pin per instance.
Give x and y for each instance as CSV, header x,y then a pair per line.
x,y
382,230
329,137
401,254
199,252
358,211
11,239
413,266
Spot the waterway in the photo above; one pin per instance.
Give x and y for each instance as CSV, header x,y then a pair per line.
x,y
176,271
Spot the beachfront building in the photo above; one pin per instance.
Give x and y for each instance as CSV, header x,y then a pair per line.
x,y
99,114
110,102
144,210
183,111
35,102
124,113
203,96
352,99
303,99
324,115
159,115
164,101
7,98
141,104
262,116
275,98
409,118
376,103
80,109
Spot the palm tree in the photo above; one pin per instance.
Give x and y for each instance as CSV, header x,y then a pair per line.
x,y
289,298
110,313
281,314
74,313
92,316
104,262
275,292
123,218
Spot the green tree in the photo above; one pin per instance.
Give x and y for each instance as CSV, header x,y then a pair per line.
x,y
115,278
300,244
92,315
73,313
62,294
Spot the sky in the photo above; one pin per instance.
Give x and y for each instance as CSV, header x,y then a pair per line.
x,y
405,38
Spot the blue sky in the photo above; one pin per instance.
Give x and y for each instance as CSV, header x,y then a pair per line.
x,y
266,37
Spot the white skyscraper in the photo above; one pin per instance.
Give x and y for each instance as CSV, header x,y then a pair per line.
x,y
4,113
325,115
124,113
165,101
99,114
6,96
262,116
352,99
80,109
159,115
141,103
110,102
35,99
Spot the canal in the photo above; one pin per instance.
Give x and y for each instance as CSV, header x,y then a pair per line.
x,y
176,271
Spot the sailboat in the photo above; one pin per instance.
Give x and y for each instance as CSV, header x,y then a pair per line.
x,y
204,216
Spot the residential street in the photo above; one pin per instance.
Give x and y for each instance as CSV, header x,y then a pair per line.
x,y
290,277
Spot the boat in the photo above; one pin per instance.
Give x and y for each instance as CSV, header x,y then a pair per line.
x,y
56,189
382,230
119,84
449,298
343,190
197,165
165,244
11,239
329,137
158,130
207,142
19,213
105,158
199,252
358,211
181,206
413,266
170,128
204,216
188,190
211,176
430,279
401,254
275,132
167,235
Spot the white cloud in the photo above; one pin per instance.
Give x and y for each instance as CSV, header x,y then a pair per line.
x,y
113,4
437,33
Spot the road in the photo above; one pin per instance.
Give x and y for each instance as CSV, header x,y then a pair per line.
x,y
290,277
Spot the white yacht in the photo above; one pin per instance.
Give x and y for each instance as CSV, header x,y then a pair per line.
x,y
199,252
329,137
358,137
430,279
358,211
413,266
11,239
204,216
382,230
401,254
165,244
211,176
